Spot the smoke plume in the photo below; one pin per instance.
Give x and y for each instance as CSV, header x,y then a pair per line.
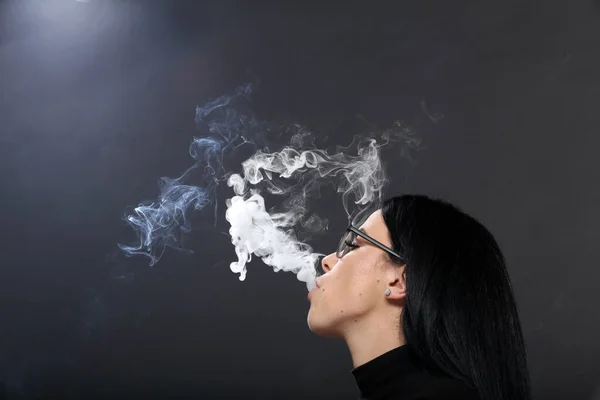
x,y
293,176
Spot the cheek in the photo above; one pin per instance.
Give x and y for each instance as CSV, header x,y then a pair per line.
x,y
348,292
343,299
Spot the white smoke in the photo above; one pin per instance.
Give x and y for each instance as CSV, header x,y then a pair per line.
x,y
270,236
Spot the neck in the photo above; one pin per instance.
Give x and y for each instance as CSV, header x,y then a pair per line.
x,y
370,339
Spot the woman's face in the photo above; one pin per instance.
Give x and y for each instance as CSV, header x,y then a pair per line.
x,y
352,288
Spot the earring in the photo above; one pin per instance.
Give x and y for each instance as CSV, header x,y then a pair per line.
x,y
388,292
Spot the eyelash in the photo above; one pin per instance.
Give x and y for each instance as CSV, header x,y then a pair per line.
x,y
350,244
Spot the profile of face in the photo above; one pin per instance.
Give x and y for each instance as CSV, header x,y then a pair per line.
x,y
350,295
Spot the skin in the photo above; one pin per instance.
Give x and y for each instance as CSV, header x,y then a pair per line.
x,y
349,302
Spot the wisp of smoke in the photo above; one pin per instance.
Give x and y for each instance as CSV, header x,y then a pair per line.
x,y
161,223
294,174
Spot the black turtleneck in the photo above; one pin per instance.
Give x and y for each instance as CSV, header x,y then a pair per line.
x,y
398,374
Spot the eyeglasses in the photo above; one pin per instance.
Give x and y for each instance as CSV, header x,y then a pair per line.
x,y
345,244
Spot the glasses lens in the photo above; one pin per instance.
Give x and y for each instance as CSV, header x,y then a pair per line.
x,y
343,248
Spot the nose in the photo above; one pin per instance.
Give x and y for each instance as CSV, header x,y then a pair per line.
x,y
328,262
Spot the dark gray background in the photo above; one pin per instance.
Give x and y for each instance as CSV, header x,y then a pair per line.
x,y
97,102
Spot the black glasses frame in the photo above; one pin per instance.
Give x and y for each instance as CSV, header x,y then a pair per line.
x,y
367,238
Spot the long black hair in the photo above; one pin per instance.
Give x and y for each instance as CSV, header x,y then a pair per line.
x,y
460,314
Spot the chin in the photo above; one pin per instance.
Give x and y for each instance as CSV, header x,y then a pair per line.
x,y
322,328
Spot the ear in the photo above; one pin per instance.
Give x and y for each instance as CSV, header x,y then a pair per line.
x,y
396,282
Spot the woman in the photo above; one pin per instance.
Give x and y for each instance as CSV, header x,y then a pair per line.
x,y
421,296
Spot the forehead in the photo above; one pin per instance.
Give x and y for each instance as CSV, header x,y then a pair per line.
x,y
373,221
375,227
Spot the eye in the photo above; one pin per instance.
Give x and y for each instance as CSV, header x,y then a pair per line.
x,y
350,244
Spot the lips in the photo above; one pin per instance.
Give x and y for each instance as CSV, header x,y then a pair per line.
x,y
315,288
